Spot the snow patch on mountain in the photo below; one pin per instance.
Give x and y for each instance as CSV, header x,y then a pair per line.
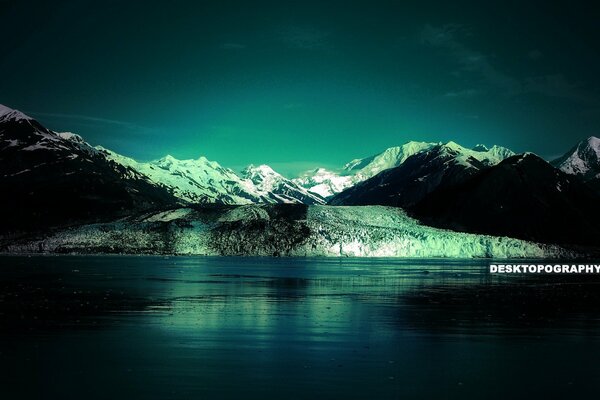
x,y
73,137
463,155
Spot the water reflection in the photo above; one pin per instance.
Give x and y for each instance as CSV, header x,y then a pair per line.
x,y
296,328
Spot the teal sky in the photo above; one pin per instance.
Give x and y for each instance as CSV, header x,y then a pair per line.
x,y
303,84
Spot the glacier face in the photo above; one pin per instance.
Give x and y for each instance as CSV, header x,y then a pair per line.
x,y
281,230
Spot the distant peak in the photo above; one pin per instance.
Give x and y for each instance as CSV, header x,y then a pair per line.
x,y
588,148
480,147
452,144
168,158
415,143
262,169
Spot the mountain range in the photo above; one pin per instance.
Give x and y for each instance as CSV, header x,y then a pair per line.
x,y
56,179
51,179
435,166
522,197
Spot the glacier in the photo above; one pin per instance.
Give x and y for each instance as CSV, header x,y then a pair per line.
x,y
279,230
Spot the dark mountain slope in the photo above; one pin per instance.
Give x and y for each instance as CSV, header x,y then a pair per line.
x,y
522,197
51,179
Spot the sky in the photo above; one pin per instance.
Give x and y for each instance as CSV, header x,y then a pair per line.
x,y
305,83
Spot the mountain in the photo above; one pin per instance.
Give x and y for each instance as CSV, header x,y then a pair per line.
x,y
582,160
522,197
328,183
274,188
202,181
195,181
324,182
51,178
441,165
26,146
392,157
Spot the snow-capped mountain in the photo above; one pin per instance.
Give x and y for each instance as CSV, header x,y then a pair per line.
x,y
202,181
199,181
392,157
328,183
420,173
8,114
278,189
324,182
582,160
196,181
55,180
50,178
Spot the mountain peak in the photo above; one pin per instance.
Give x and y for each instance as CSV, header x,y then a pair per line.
x,y
583,159
259,172
527,156
452,144
480,147
168,159
594,143
7,113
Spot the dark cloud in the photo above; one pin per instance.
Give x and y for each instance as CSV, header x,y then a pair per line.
x,y
558,86
470,61
492,78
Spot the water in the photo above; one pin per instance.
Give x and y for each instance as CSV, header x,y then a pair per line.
x,y
213,328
